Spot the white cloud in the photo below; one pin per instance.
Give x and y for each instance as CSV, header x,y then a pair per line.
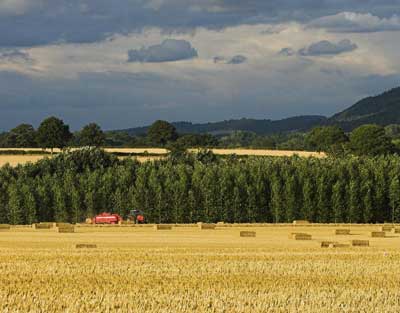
x,y
350,22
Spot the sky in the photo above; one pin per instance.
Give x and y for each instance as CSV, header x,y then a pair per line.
x,y
127,63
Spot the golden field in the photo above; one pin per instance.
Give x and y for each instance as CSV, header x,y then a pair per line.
x,y
15,160
139,269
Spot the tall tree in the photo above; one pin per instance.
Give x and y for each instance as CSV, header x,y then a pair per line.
x,y
22,136
29,201
338,202
162,132
53,133
330,139
370,140
394,194
309,201
278,211
15,205
92,135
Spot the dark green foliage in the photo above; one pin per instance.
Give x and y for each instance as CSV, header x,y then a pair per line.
x,y
22,136
75,185
198,140
53,133
330,139
91,135
162,132
394,194
370,140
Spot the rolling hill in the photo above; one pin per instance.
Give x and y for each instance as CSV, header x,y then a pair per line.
x,y
262,127
383,109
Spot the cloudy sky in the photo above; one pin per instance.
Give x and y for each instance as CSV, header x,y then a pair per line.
x,y
125,63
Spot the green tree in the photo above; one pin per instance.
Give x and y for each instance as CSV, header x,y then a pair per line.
x,y
91,135
30,205
355,202
370,140
15,204
291,202
278,211
53,133
323,199
330,139
394,194
22,136
338,202
60,204
162,132
76,205
309,201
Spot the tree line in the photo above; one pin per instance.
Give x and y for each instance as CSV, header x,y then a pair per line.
x,y
54,133
75,185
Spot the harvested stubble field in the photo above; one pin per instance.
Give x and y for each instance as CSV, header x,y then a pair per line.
x,y
138,269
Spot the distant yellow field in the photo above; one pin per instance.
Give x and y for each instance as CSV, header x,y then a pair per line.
x,y
14,160
139,269
123,150
260,152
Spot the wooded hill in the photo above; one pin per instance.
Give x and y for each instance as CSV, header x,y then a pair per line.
x,y
383,109
261,127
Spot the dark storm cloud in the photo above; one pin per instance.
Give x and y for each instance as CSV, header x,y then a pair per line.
x,y
326,47
287,52
235,60
168,51
13,55
38,22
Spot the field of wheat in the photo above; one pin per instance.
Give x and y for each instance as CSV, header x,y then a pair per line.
x,y
187,269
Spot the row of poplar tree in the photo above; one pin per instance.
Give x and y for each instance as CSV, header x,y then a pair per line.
x,y
73,186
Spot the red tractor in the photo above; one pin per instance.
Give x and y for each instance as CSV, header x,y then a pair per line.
x,y
107,218
136,216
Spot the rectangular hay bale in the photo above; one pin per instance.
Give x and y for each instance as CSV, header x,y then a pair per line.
x,y
360,243
66,229
63,225
300,236
162,227
247,234
86,246
301,222
207,226
42,226
328,244
387,228
5,227
378,234
342,231
396,230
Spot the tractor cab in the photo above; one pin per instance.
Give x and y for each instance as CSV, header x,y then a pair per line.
x,y
136,216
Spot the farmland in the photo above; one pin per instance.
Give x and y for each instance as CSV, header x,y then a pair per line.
x,y
154,154
139,269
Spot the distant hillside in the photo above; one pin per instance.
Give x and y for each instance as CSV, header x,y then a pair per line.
x,y
383,109
262,127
